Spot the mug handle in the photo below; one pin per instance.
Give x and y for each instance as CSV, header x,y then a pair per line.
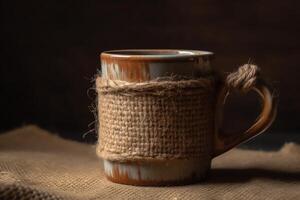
x,y
246,79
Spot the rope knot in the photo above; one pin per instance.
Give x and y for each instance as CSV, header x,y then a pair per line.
x,y
244,78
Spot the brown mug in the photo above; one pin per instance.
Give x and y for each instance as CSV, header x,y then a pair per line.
x,y
126,164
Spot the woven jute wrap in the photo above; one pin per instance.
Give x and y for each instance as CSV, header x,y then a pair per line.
x,y
166,118
160,119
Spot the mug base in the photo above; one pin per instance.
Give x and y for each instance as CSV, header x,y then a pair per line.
x,y
157,173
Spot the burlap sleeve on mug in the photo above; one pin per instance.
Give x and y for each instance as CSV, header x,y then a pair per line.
x,y
160,119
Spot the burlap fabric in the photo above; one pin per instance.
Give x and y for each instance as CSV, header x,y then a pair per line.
x,y
37,165
163,119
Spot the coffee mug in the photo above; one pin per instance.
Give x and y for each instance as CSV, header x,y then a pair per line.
x,y
170,156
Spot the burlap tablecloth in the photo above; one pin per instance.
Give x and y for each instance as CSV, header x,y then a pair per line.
x,y
37,165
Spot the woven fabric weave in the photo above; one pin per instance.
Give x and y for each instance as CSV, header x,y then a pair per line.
x,y
37,165
156,120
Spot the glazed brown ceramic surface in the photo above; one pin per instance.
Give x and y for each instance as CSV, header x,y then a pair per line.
x,y
144,65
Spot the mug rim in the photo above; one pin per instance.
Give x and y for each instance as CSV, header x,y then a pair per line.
x,y
154,54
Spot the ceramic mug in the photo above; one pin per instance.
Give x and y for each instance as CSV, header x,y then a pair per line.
x,y
146,65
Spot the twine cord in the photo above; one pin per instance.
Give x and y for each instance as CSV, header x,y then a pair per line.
x,y
157,87
244,78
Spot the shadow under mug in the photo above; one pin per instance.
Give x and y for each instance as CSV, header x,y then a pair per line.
x,y
145,65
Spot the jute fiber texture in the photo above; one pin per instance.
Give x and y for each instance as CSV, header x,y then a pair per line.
x,y
35,164
155,120
163,118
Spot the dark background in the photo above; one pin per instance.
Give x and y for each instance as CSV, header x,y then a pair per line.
x,y
51,52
